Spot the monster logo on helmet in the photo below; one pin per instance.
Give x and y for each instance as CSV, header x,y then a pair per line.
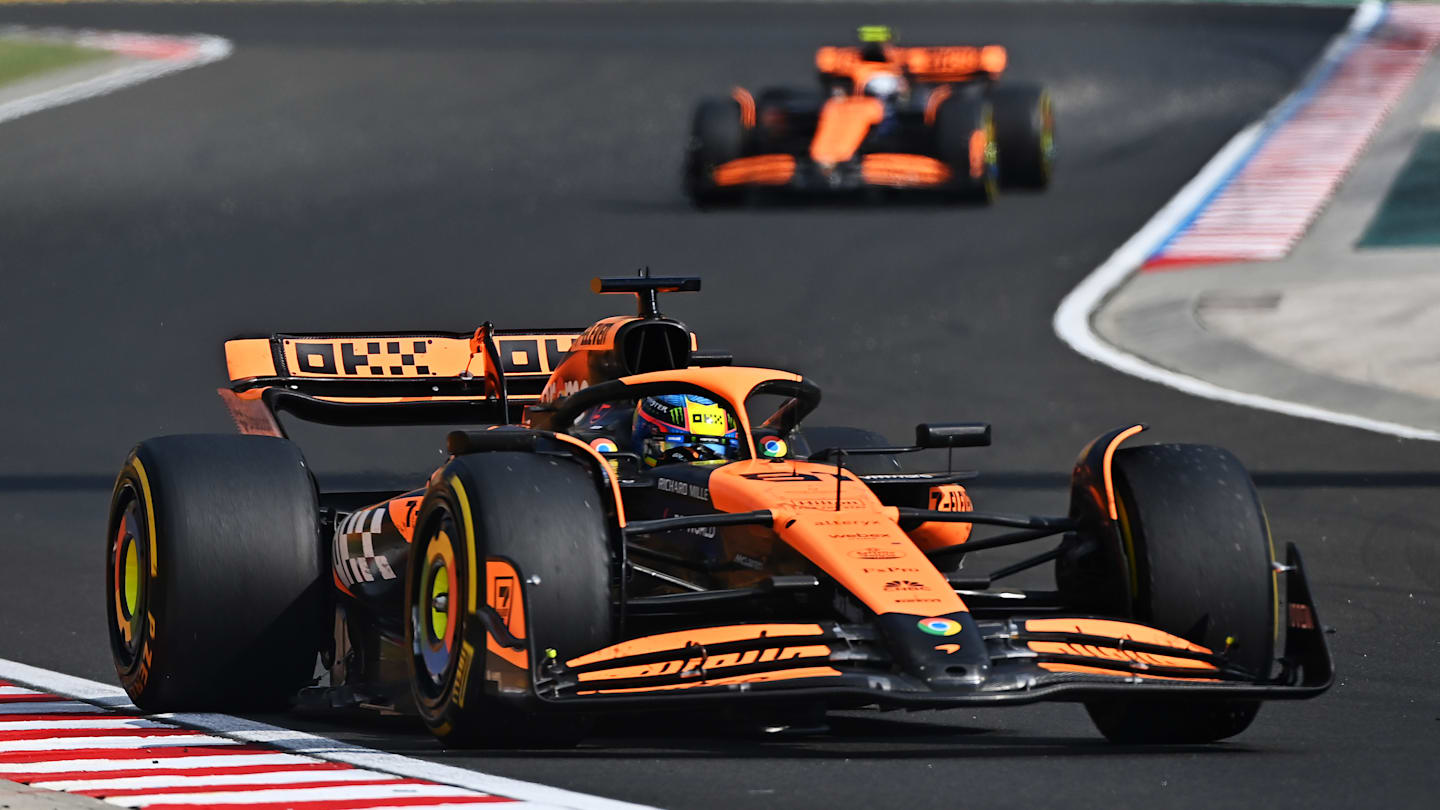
x,y
683,427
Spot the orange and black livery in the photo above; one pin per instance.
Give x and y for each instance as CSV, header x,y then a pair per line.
x,y
883,117
624,521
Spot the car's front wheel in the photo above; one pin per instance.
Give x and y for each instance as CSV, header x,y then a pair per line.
x,y
1201,567
511,565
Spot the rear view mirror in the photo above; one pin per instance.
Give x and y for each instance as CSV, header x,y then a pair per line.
x,y
952,434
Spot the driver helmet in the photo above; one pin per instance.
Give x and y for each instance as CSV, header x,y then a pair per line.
x,y
884,85
700,428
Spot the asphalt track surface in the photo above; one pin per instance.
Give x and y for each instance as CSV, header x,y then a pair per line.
x,y
360,167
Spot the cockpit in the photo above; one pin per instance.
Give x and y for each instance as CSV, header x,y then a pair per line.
x,y
693,416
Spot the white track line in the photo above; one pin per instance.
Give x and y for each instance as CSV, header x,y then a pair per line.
x,y
139,740
302,746
92,722
46,707
213,780
203,51
9,691
297,795
163,763
1072,319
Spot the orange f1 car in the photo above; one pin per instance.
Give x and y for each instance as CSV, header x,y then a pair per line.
x,y
883,117
632,523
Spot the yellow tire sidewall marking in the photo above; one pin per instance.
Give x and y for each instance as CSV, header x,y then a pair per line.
x,y
471,564
149,512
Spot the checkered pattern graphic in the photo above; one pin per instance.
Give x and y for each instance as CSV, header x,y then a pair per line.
x,y
354,548
382,363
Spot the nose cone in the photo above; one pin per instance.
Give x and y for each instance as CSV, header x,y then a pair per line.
x,y
844,123
946,652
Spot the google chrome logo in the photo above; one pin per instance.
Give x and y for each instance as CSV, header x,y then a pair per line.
x,y
939,627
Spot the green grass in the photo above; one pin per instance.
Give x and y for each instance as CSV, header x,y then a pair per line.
x,y
1410,214
21,58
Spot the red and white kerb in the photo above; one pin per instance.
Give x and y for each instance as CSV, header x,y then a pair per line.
x,y
56,743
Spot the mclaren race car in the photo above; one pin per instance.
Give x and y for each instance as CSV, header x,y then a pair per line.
x,y
629,523
883,117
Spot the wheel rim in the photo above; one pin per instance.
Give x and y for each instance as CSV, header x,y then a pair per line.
x,y
992,159
1047,135
436,611
129,583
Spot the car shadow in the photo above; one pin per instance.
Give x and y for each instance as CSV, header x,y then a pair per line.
x,y
705,735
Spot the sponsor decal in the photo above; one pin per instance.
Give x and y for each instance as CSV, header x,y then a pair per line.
x,y
948,649
502,598
403,512
597,335
462,674
694,666
938,626
524,355
674,487
876,554
905,585
605,446
858,536
827,504
354,548
890,569
555,389
773,447
950,498
361,358
749,562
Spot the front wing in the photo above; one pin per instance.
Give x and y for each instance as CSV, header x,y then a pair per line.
x,y
876,170
1030,660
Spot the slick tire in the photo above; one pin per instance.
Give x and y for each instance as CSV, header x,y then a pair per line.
x,y
1201,568
516,548
823,437
1025,135
216,598
717,135
965,140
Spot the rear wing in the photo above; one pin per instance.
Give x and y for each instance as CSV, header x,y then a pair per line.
x,y
394,378
945,64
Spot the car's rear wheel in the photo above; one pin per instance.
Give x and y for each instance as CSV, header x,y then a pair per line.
x,y
1201,567
216,599
1025,131
965,141
717,136
511,564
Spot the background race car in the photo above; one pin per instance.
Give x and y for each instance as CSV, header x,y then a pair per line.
x,y
934,118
